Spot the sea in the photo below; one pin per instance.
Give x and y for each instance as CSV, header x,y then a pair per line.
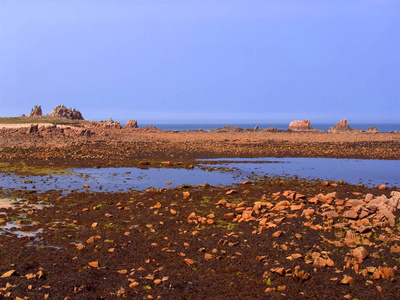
x,y
383,127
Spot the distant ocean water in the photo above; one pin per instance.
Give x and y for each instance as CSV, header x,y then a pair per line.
x,y
383,127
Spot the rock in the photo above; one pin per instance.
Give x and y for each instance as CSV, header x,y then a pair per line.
x,y
387,273
347,280
133,285
94,264
319,262
360,253
342,126
300,125
8,274
61,111
33,129
382,187
364,229
229,216
331,214
308,212
131,124
351,214
368,198
350,238
281,205
281,288
36,111
373,130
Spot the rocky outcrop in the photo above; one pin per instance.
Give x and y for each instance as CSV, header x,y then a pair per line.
x,y
228,128
63,112
342,126
304,125
373,130
107,124
36,111
33,129
131,124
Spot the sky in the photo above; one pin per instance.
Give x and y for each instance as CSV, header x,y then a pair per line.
x,y
200,61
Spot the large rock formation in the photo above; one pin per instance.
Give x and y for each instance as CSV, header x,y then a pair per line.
x,y
342,126
131,124
373,130
300,125
69,113
36,111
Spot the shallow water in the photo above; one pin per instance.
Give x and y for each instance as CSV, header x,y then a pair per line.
x,y
368,172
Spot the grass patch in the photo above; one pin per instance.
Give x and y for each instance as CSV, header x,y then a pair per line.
x,y
43,119
23,168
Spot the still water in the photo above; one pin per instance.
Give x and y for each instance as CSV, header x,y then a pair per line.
x,y
368,172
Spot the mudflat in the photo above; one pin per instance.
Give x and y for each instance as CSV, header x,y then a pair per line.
x,y
105,144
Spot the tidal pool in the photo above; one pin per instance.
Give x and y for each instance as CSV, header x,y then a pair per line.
x,y
354,171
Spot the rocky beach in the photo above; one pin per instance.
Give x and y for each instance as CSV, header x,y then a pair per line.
x,y
265,238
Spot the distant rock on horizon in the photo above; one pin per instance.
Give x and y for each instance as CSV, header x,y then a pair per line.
x,y
64,112
36,111
131,124
341,126
304,125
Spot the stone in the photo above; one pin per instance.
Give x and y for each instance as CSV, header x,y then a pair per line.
x,y
300,125
133,285
364,229
281,205
33,129
347,280
307,212
350,238
36,111
342,126
373,129
131,124
94,264
319,262
8,274
229,216
351,214
333,195
360,253
387,273
331,214
61,111
368,198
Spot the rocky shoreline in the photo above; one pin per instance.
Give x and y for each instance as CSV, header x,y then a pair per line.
x,y
269,238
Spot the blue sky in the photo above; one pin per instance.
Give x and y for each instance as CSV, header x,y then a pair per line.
x,y
203,61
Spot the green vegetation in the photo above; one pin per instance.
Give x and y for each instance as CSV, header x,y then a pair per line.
x,y
22,168
43,119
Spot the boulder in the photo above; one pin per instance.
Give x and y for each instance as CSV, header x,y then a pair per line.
x,y
36,111
63,112
342,126
131,124
33,128
107,124
300,125
373,130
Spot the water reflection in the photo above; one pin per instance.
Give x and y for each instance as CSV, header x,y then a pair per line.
x,y
368,172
